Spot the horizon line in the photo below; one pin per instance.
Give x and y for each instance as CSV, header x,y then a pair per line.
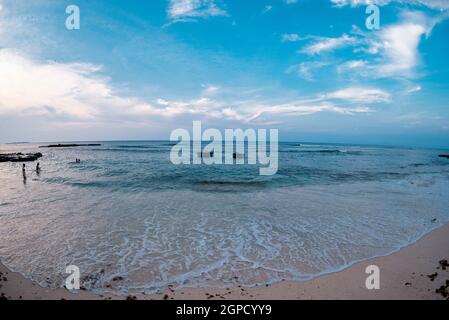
x,y
285,141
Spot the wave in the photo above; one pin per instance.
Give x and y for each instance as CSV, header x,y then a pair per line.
x,y
415,165
136,147
228,186
317,145
332,151
230,183
133,149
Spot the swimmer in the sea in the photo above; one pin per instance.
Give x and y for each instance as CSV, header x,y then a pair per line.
x,y
24,173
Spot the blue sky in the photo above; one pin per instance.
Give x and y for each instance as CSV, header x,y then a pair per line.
x,y
139,69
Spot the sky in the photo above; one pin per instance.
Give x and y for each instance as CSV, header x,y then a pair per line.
x,y
136,70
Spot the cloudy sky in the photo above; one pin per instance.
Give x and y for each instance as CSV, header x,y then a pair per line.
x,y
311,68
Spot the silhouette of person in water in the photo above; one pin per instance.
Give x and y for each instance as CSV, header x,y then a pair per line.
x,y
24,173
38,168
78,160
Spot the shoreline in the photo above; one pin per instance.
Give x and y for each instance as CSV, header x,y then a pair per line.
x,y
404,274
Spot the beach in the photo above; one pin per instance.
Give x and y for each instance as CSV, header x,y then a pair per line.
x,y
406,274
136,225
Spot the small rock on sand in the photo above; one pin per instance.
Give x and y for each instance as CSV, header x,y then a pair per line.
x,y
118,278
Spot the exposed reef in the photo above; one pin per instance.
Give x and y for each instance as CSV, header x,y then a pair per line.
x,y
20,157
71,145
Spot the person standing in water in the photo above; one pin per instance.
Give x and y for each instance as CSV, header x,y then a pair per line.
x,y
24,173
38,168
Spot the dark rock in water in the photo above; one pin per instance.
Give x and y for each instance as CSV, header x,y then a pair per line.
x,y
444,156
20,157
71,145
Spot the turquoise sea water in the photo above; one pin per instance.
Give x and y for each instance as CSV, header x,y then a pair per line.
x,y
127,211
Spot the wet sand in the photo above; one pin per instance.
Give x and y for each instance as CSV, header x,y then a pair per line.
x,y
419,271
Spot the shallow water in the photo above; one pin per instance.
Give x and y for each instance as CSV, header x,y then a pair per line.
x,y
126,210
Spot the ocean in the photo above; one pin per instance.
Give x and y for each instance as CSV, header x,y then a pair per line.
x,y
126,211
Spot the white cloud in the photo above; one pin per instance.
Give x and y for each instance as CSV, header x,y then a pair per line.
x,y
306,69
76,93
267,8
210,89
397,45
401,51
72,91
27,86
322,44
185,9
355,64
393,51
355,3
351,66
252,111
360,95
434,4
292,37
413,89
299,108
